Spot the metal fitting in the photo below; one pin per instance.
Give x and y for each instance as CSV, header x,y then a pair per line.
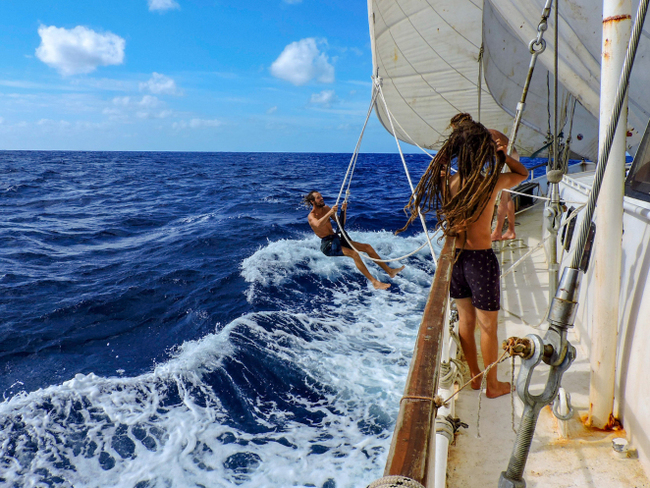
x,y
565,303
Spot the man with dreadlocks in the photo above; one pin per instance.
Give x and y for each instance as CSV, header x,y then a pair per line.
x,y
339,243
506,208
464,205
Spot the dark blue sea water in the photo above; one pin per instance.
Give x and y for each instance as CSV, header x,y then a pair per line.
x,y
167,319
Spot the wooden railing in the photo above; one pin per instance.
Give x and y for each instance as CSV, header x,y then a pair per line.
x,y
415,428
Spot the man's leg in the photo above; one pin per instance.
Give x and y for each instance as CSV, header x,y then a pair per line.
x,y
466,328
369,250
487,321
501,217
362,267
510,213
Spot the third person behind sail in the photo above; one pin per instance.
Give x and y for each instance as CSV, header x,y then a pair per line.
x,y
464,204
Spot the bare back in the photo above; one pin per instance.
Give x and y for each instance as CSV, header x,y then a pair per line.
x,y
478,233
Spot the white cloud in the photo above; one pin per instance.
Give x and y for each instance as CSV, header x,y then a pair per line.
x,y
61,124
272,110
197,123
162,5
2,120
160,85
122,101
301,62
292,2
194,123
325,98
149,102
78,50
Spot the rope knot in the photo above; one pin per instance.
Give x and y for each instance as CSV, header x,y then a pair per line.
x,y
517,346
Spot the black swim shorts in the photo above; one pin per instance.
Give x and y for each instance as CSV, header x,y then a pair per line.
x,y
332,245
476,275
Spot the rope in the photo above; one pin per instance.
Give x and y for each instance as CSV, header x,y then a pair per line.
x,y
573,215
344,234
556,32
406,170
512,393
483,386
355,154
440,402
395,482
479,85
377,90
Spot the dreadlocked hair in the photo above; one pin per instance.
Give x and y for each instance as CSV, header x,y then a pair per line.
x,y
460,118
472,147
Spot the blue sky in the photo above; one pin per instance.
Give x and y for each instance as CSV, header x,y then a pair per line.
x,y
187,75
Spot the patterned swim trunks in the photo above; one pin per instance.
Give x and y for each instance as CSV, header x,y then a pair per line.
x,y
332,245
476,275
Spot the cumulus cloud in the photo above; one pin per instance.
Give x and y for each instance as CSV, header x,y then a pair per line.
x,y
301,62
160,85
149,102
162,5
148,107
272,110
61,124
197,123
325,98
78,50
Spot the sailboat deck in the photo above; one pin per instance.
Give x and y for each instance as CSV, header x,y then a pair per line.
x,y
581,458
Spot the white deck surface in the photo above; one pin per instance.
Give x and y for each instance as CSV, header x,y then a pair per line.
x,y
585,458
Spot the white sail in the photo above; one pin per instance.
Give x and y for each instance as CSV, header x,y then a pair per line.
x,y
426,53
508,27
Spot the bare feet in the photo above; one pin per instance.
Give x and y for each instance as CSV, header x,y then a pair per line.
x,y
393,272
510,234
380,286
496,236
476,382
502,388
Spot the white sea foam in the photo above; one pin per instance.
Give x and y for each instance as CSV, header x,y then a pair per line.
x,y
354,351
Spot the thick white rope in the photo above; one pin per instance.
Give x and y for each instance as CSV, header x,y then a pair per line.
x,y
395,481
355,154
377,90
406,170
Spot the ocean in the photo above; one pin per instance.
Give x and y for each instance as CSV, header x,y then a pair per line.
x,y
168,320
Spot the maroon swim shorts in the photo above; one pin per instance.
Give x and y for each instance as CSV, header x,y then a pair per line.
x,y
476,276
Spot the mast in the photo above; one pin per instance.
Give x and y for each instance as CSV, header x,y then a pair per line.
x,y
609,219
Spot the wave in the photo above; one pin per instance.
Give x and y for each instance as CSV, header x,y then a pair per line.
x,y
302,392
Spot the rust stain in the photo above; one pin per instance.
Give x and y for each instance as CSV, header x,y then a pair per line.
x,y
629,133
616,18
613,425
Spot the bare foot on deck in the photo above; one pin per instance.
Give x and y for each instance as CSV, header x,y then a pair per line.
x,y
476,382
502,388
380,286
393,272
496,236
508,235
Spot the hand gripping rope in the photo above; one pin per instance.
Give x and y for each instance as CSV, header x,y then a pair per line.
x,y
353,161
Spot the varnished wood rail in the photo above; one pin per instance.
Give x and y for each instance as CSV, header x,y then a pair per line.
x,y
415,428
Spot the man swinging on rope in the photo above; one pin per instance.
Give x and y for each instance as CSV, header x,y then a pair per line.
x,y
338,244
464,204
